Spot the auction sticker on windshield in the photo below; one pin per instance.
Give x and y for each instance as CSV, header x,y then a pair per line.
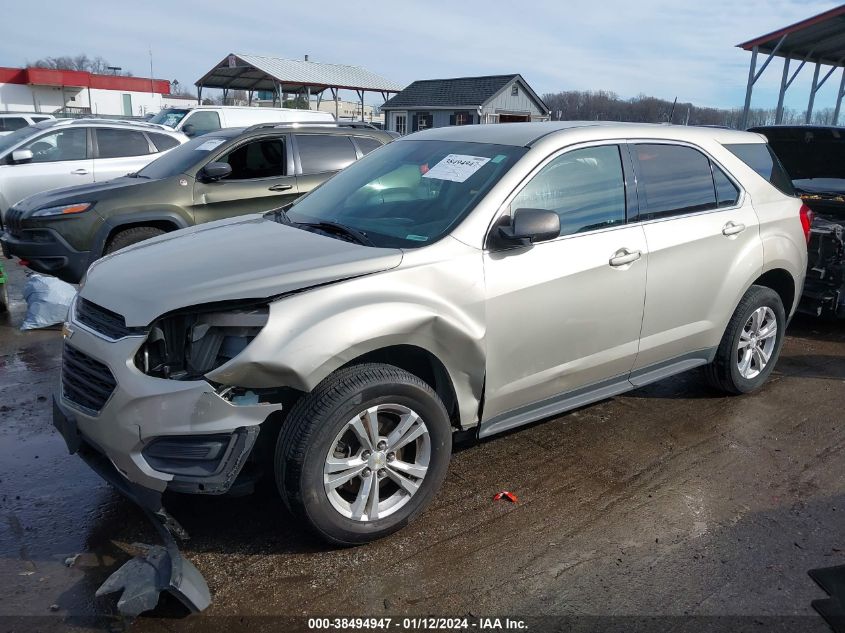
x,y
456,167
210,144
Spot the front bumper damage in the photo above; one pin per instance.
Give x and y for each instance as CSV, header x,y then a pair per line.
x,y
148,435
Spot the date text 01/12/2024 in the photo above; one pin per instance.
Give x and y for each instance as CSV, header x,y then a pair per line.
x,y
418,624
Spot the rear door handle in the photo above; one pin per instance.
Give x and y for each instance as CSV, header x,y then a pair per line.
x,y
623,256
732,228
281,187
79,172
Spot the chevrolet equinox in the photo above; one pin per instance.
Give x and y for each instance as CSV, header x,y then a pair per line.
x,y
475,278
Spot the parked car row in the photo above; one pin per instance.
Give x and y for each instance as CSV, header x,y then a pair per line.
x,y
9,122
223,174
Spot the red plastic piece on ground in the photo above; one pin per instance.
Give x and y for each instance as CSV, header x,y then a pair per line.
x,y
505,495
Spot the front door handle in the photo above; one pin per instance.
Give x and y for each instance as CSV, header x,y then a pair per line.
x,y
79,172
281,187
732,228
623,256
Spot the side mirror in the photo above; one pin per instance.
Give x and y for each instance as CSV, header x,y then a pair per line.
x,y
530,225
216,171
188,129
22,155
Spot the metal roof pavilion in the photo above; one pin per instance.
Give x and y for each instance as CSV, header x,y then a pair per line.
x,y
819,40
239,71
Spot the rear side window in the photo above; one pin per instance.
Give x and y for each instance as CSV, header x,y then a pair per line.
x,y
113,143
727,194
673,180
760,158
162,141
324,152
367,144
12,123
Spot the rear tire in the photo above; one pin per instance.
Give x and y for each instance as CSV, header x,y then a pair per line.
x,y
340,463
751,344
128,237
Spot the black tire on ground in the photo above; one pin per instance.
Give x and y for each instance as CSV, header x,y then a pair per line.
x,y
723,373
308,434
128,237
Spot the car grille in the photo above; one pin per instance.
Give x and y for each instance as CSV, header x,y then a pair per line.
x,y
12,221
85,382
108,323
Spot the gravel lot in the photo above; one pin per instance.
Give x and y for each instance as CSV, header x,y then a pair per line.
x,y
668,501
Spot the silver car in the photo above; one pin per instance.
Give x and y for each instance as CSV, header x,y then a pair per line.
x,y
466,278
63,152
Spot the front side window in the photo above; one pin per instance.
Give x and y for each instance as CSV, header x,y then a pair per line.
x,y
585,187
263,158
114,143
203,121
673,180
319,153
67,144
409,193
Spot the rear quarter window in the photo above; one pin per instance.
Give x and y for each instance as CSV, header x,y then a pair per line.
x,y
761,158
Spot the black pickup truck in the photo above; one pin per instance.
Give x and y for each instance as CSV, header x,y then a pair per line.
x,y
814,158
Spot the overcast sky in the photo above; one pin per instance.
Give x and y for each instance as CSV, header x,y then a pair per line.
x,y
664,49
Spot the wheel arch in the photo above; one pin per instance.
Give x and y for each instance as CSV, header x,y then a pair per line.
x,y
783,283
165,220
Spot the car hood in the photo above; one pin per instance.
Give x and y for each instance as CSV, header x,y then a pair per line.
x,y
250,257
80,193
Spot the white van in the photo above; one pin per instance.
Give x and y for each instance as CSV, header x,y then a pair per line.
x,y
204,119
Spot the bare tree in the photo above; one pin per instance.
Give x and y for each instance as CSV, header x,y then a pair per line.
x,y
97,65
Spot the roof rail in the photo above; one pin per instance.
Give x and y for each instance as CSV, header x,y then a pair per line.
x,y
287,124
145,124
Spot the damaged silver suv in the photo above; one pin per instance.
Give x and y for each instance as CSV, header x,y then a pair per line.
x,y
468,278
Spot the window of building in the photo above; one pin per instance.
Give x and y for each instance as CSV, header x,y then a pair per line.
x,y
423,121
585,187
366,144
514,90
401,123
319,153
673,180
162,141
264,158
461,118
114,143
68,144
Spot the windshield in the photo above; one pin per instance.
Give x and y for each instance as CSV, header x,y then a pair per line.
x,y
408,193
10,140
180,159
170,117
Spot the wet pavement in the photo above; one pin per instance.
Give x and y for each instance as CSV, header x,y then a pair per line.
x,y
670,500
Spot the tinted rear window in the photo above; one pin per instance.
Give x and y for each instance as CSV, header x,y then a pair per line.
x,y
674,180
761,159
324,152
113,143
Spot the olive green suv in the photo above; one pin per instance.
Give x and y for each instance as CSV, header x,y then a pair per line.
x,y
226,173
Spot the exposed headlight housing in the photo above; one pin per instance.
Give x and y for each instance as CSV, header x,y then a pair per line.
x,y
66,209
188,345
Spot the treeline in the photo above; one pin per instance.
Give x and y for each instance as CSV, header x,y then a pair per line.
x,y
602,105
96,65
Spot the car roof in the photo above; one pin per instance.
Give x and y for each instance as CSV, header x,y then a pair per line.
x,y
527,134
284,128
116,123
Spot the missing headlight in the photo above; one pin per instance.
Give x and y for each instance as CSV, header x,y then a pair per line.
x,y
187,346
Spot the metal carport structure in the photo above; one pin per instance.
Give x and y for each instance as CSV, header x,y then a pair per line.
x,y
819,40
238,71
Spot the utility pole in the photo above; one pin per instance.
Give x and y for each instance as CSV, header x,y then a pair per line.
x,y
152,91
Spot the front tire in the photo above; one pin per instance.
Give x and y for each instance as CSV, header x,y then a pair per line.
x,y
364,453
131,236
751,344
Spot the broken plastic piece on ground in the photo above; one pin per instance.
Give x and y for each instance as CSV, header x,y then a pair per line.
x,y
505,495
143,578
